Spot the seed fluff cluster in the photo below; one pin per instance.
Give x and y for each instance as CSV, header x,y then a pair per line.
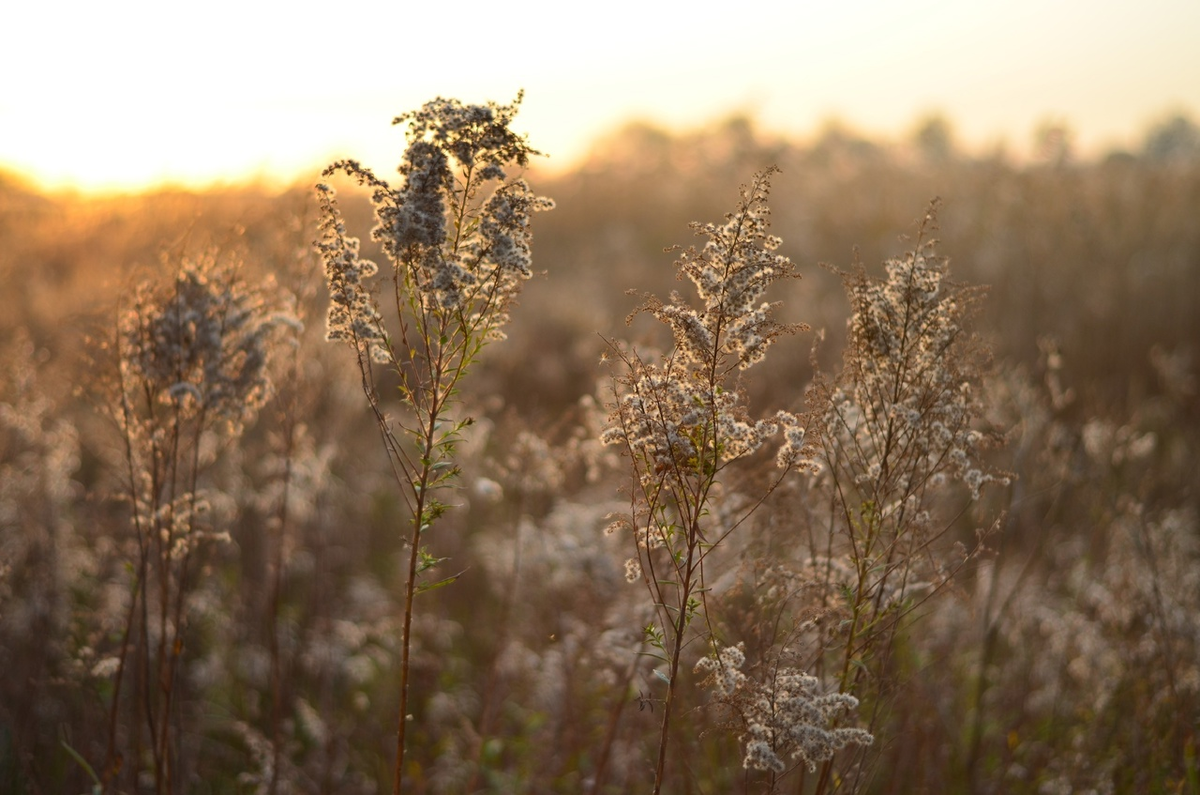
x,y
787,716
903,414
682,415
202,343
452,254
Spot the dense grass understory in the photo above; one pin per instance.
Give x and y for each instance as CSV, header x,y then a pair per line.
x,y
866,526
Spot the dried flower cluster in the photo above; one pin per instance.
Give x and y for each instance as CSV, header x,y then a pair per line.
x,y
352,315
785,717
683,415
681,422
202,343
902,417
899,422
454,255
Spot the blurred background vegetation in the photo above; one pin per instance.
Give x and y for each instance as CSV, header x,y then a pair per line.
x,y
1100,255
1093,275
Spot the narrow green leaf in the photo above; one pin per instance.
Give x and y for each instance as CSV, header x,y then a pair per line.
x,y
429,586
428,562
660,657
81,762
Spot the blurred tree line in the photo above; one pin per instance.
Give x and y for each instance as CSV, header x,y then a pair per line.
x,y
1101,255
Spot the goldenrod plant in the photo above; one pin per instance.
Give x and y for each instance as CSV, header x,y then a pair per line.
x,y
456,235
682,422
193,358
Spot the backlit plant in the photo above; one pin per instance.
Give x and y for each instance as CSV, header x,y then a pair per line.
x,y
456,235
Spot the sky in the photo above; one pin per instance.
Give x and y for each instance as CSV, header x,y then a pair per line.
x,y
122,95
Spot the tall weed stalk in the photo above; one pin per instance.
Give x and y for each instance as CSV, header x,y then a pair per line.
x,y
456,262
682,423
193,370
900,424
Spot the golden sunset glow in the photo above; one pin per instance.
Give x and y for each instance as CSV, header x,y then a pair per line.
x,y
130,94
819,416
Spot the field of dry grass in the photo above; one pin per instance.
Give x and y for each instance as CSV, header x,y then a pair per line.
x,y
1034,627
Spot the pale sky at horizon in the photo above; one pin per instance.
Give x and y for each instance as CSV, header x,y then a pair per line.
x,y
123,95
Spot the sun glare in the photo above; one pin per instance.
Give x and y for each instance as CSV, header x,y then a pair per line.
x,y
138,94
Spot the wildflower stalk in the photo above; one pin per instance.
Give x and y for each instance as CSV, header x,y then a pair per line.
x,y
192,364
680,423
457,263
899,425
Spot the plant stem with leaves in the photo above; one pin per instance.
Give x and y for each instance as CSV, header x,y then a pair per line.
x,y
456,264
680,423
901,423
192,365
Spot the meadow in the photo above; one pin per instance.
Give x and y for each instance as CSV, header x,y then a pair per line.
x,y
882,480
